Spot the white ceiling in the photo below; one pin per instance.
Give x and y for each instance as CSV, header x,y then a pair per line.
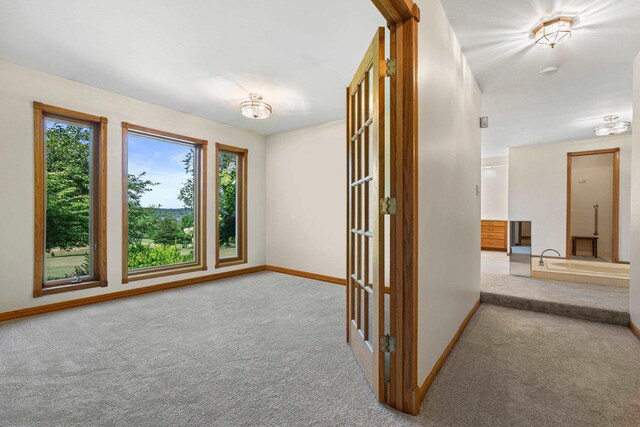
x,y
595,78
201,57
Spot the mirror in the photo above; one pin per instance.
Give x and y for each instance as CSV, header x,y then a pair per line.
x,y
520,248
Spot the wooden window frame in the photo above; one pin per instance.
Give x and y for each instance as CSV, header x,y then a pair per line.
x,y
241,209
200,213
98,201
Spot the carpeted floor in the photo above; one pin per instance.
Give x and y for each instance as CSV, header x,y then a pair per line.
x,y
268,349
582,300
521,368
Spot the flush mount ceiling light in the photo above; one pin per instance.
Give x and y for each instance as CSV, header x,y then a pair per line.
x,y
553,32
613,127
255,108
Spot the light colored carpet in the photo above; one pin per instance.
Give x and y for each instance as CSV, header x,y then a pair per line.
x,y
521,368
262,349
582,300
269,349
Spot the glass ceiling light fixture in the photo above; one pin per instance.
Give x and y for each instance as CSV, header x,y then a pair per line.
x,y
613,127
553,32
255,108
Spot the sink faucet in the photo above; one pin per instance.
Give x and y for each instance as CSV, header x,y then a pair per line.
x,y
541,262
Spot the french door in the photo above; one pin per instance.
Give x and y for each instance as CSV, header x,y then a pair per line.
x,y
365,223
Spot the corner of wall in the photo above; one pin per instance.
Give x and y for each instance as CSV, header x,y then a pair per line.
x,y
634,288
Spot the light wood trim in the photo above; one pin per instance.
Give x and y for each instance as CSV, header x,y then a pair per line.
x,y
307,275
616,198
162,271
634,329
66,287
567,253
242,174
168,135
102,204
424,388
200,213
616,206
404,225
397,11
64,112
16,314
125,205
39,202
347,258
99,201
593,152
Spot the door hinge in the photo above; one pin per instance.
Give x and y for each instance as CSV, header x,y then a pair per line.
x,y
387,67
388,206
388,344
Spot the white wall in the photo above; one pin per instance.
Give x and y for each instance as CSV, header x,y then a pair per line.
x,y
449,171
538,190
306,201
634,291
495,188
19,87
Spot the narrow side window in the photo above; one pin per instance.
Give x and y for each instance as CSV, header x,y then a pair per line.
x,y
231,212
70,200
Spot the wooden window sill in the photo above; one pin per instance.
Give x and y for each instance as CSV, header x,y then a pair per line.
x,y
67,287
155,273
229,262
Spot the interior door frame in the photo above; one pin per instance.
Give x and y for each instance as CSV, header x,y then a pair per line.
x,y
402,18
616,198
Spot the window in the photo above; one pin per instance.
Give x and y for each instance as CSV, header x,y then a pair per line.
x,y
164,203
231,215
70,200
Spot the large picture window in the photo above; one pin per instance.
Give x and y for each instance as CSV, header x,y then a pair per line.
x,y
164,190
231,215
70,199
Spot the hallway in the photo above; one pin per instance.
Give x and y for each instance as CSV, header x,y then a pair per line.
x,y
520,368
196,356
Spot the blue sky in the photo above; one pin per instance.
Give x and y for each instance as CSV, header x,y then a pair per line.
x,y
162,161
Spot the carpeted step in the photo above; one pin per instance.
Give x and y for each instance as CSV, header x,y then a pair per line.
x,y
604,315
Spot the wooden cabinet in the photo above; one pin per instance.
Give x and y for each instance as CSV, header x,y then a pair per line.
x,y
493,235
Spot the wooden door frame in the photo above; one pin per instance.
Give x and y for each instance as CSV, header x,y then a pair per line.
x,y
402,18
616,197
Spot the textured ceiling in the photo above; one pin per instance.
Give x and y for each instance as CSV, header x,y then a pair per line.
x,y
596,65
201,57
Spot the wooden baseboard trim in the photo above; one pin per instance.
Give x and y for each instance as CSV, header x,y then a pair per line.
x,y
422,391
307,275
32,311
634,329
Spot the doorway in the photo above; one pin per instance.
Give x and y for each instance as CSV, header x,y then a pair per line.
x,y
593,204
